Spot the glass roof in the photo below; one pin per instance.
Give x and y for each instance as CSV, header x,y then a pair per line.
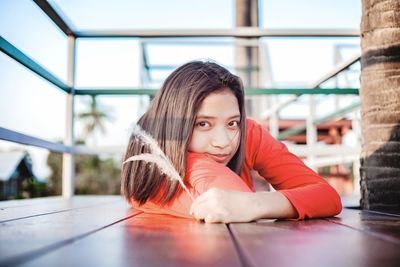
x,y
206,14
319,14
154,14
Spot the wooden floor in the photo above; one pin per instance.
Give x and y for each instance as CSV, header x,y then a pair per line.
x,y
105,231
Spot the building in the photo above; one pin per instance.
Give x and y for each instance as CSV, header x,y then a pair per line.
x,y
16,174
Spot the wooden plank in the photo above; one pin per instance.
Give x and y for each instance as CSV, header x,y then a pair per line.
x,y
311,243
380,225
14,210
149,240
22,240
26,202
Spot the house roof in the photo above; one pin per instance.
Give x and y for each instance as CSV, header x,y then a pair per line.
x,y
9,161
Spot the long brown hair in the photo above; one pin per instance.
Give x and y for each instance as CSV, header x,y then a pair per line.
x,y
170,120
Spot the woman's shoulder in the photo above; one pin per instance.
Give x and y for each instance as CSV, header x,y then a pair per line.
x,y
260,143
255,137
250,123
204,173
254,130
199,161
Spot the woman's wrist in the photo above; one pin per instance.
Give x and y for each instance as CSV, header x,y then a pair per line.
x,y
271,205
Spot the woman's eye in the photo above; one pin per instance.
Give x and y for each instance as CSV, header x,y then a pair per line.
x,y
203,124
234,124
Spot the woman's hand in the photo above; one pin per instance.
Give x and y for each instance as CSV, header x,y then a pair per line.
x,y
223,206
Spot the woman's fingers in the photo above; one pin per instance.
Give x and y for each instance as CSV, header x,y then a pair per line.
x,y
199,214
209,207
200,211
199,201
213,218
208,196
217,205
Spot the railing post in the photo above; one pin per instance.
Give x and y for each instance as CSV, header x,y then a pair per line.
x,y
311,132
273,119
68,168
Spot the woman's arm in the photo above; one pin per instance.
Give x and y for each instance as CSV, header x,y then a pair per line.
x,y
309,193
217,205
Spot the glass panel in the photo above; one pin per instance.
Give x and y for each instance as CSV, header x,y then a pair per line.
x,y
325,106
164,58
344,14
29,104
299,62
119,114
155,14
27,27
107,63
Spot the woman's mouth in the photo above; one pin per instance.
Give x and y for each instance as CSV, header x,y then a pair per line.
x,y
219,157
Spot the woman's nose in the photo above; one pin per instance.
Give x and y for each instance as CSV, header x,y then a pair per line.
x,y
221,138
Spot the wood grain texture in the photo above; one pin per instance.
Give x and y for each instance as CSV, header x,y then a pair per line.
x,y
149,240
371,223
24,239
105,231
312,243
14,210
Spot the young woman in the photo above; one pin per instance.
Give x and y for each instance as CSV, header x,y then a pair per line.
x,y
198,118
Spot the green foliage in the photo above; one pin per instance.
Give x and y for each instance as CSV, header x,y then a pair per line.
x,y
54,161
33,188
96,176
94,117
27,188
93,175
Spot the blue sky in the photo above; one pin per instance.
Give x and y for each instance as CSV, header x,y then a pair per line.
x,y
31,105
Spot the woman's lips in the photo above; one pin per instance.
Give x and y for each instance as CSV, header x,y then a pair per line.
x,y
219,157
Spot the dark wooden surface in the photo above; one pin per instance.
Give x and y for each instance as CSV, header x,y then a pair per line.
x,y
105,231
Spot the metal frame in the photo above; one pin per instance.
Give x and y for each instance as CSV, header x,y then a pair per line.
x,y
248,91
13,52
315,85
69,149
242,32
68,169
16,137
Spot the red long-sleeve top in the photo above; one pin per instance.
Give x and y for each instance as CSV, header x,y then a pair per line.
x,y
309,193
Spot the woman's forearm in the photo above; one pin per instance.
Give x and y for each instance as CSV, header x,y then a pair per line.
x,y
271,205
217,205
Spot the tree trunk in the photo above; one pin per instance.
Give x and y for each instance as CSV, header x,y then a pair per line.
x,y
380,105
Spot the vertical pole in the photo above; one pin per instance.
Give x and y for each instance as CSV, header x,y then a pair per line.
x,y
68,170
144,77
246,57
142,67
265,79
311,132
336,60
273,118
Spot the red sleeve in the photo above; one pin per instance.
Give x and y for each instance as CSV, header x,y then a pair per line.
x,y
308,192
204,173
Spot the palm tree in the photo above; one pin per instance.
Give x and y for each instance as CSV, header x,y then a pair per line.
x,y
94,118
380,105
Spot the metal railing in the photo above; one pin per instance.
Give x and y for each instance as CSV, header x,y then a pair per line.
x,y
69,149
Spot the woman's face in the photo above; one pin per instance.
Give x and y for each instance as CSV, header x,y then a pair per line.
x,y
217,128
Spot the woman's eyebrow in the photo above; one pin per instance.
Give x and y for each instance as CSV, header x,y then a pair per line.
x,y
212,117
205,117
